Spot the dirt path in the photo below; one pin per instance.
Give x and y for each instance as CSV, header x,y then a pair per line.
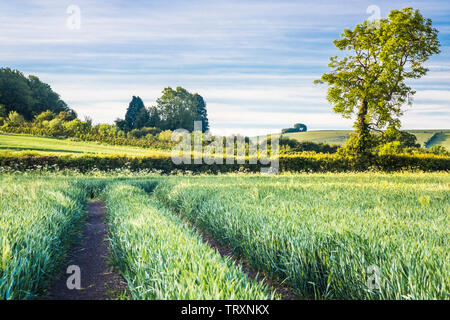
x,y
98,280
284,291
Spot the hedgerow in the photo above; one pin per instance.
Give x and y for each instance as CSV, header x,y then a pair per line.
x,y
301,162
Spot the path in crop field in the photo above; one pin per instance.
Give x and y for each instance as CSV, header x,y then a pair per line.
x,y
286,292
98,280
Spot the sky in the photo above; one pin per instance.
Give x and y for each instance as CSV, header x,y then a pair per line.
x,y
253,61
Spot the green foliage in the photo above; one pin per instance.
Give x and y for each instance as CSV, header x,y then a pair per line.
x,y
44,116
3,112
298,127
371,81
360,145
178,109
15,119
39,221
67,115
162,258
439,150
394,147
301,162
28,96
406,139
291,145
320,233
201,112
135,109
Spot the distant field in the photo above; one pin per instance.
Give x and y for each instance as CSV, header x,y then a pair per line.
x,y
340,136
43,145
328,136
53,146
442,138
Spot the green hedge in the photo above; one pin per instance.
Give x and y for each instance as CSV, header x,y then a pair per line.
x,y
302,162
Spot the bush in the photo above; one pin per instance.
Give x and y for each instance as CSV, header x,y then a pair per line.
x,y
302,162
291,145
15,119
439,150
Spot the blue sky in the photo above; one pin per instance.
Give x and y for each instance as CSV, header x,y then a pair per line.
x,y
252,60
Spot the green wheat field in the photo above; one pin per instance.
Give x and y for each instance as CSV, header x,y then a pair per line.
x,y
322,235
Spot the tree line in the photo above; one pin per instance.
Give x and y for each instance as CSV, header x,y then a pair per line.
x,y
175,109
28,96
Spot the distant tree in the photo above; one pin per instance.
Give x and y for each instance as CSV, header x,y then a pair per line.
x,y
369,81
178,109
122,124
44,98
201,111
154,118
3,111
28,96
300,127
142,119
134,110
15,93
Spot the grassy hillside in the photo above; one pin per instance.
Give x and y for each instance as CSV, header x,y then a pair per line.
x,y
43,145
442,137
328,136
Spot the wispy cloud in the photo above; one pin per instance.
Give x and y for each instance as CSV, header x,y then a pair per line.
x,y
253,60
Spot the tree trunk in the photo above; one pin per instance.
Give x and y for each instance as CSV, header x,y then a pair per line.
x,y
362,129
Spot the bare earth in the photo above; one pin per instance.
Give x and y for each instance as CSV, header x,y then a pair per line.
x,y
98,279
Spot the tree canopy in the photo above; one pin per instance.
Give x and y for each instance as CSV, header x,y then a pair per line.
x,y
28,96
369,81
178,109
175,109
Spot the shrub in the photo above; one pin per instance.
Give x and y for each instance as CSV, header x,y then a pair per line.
x,y
165,135
301,162
44,116
56,127
15,119
439,150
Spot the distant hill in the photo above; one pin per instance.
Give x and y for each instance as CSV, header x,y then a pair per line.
x,y
430,137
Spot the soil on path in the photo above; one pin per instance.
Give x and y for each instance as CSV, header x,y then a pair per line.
x,y
98,279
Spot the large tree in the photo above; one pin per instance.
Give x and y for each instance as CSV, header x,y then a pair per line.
x,y
369,81
28,96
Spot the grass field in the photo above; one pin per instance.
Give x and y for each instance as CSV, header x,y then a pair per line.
x,y
323,235
442,138
340,136
162,258
38,221
44,145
